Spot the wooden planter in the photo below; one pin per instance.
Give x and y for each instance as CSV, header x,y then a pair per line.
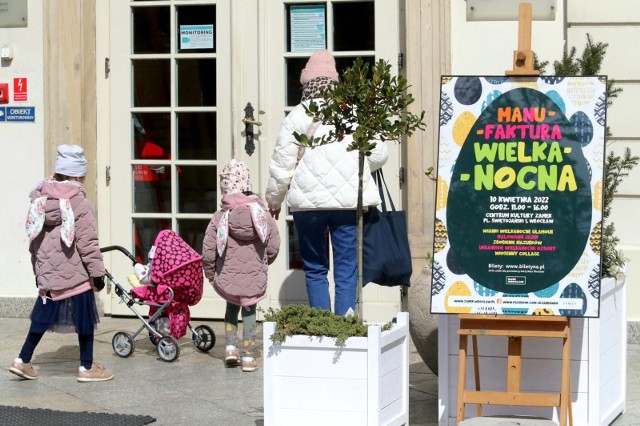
x,y
310,381
598,365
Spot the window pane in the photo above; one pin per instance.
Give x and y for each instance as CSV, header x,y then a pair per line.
x,y
294,89
145,232
197,189
192,231
345,62
197,135
152,134
151,83
196,82
200,22
151,30
353,26
151,188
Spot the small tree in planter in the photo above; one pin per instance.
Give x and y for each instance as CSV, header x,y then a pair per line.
x,y
369,106
320,368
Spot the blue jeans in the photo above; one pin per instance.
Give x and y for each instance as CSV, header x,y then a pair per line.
x,y
311,227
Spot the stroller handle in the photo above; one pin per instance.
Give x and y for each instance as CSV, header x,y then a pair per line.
x,y
122,250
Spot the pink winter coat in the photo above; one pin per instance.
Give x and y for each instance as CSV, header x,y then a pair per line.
x,y
57,267
240,274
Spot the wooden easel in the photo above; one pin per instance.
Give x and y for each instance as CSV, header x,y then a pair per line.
x,y
523,57
515,328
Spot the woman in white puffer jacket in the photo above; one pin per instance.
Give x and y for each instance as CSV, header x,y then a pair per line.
x,y
322,192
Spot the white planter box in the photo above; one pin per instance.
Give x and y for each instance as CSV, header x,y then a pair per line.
x,y
598,365
309,381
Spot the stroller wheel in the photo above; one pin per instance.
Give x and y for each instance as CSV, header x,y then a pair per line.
x,y
123,344
203,338
168,348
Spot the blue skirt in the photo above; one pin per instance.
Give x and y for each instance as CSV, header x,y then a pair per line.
x,y
76,314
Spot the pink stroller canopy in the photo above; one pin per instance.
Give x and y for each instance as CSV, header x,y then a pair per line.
x,y
175,264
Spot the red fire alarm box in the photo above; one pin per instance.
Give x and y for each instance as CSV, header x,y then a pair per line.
x,y
4,93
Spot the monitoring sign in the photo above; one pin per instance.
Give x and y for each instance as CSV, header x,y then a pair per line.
x,y
18,114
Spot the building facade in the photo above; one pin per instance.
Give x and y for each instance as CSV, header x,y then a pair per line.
x,y
161,93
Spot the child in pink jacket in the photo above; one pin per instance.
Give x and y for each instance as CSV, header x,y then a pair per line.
x,y
240,242
67,264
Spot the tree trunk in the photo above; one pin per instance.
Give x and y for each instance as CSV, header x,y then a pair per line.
x,y
359,228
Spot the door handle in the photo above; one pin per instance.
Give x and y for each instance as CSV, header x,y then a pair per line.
x,y
249,121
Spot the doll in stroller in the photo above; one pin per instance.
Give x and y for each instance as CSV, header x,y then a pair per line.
x,y
170,283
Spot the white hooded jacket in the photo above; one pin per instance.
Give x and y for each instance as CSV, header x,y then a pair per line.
x,y
326,176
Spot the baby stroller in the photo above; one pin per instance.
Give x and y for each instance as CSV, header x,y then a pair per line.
x,y
175,282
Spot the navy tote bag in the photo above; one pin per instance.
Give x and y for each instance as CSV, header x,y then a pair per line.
x,y
386,257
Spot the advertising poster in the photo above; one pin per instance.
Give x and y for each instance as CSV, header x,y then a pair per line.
x,y
519,196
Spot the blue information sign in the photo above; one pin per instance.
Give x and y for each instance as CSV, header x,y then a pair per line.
x,y
21,113
3,112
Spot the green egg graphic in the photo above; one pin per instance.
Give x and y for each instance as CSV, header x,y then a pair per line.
x,y
520,175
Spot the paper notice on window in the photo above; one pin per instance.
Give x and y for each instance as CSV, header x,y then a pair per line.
x,y
308,28
196,37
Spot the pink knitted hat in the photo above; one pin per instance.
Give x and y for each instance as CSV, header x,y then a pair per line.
x,y
320,64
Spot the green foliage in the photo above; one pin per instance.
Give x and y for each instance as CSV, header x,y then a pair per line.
x,y
539,65
369,106
307,321
616,167
589,63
